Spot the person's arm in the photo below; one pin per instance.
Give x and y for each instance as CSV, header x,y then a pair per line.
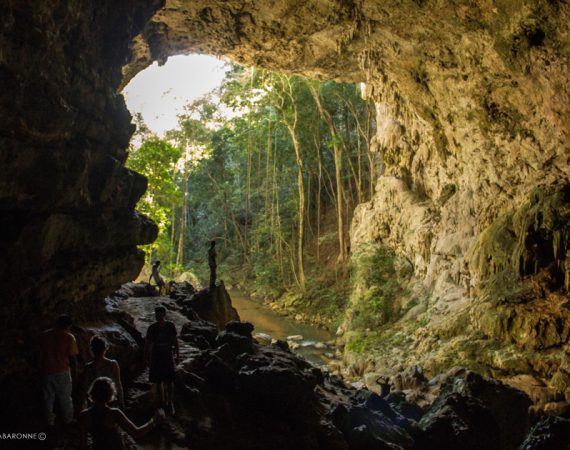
x,y
147,351
73,367
73,353
175,342
119,385
125,423
83,388
177,349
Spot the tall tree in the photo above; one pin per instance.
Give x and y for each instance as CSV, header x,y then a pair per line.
x,y
289,114
156,159
337,156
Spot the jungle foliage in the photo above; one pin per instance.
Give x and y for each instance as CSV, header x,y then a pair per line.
x,y
271,166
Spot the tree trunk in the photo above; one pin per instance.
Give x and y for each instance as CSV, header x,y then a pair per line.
x,y
182,230
337,158
301,218
291,124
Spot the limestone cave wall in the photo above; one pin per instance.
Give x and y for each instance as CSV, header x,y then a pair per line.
x,y
473,113
69,229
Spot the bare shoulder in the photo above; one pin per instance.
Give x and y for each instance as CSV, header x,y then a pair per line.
x,y
69,335
115,365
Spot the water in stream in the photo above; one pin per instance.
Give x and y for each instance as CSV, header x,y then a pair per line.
x,y
269,322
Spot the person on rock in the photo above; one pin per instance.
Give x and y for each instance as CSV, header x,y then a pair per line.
x,y
104,423
212,264
101,366
57,359
160,348
155,275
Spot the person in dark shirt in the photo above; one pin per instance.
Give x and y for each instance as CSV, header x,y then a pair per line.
x,y
161,348
212,264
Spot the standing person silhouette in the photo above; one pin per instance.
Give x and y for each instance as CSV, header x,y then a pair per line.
x,y
58,351
212,264
155,275
101,366
160,348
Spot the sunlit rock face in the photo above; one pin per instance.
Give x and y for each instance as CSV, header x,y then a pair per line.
x,y
473,114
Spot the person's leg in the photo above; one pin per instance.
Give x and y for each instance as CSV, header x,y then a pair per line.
x,y
158,396
48,392
169,393
63,393
212,277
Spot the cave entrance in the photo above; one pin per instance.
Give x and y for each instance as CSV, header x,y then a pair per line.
x,y
269,165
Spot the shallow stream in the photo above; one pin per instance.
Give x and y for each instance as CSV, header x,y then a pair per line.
x,y
267,321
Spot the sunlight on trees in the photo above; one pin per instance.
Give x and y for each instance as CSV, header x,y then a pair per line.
x,y
272,167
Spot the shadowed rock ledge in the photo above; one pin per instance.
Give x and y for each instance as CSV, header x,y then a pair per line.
x,y
232,392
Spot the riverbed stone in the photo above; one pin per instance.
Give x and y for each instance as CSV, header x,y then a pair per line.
x,y
262,338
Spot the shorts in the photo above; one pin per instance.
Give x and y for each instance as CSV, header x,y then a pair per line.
x,y
162,369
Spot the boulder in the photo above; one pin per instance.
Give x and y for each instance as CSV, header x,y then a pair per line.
x,y
455,421
262,338
199,333
181,291
236,342
550,433
279,381
242,328
398,402
474,412
411,378
213,305
368,422
508,406
132,289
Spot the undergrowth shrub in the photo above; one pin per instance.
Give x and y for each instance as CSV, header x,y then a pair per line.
x,y
383,286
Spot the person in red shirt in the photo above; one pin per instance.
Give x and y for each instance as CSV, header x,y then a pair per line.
x,y
58,351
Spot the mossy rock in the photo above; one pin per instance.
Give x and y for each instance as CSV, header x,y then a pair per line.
x,y
560,382
523,241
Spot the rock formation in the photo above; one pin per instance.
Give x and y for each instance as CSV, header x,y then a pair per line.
x,y
473,115
232,392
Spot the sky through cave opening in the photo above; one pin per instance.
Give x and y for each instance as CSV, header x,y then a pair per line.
x,y
159,93
270,165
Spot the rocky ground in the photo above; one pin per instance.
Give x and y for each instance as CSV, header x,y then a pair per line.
x,y
232,392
